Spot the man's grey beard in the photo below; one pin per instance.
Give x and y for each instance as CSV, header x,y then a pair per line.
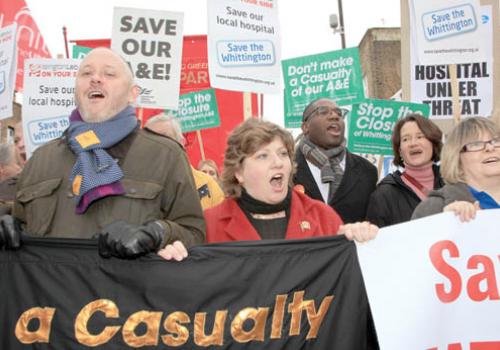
x,y
94,119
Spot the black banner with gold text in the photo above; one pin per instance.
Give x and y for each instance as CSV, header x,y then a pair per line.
x,y
306,294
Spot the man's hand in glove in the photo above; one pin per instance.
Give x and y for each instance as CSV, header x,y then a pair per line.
x,y
124,240
10,233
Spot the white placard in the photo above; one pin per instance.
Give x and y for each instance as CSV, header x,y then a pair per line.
x,y
447,31
151,41
431,83
434,282
244,50
8,69
48,99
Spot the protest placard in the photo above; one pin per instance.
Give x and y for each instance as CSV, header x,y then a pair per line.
x,y
371,123
151,42
79,52
431,83
433,283
197,111
447,31
49,89
8,68
335,75
29,40
244,46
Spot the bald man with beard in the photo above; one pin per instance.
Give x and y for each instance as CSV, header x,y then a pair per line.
x,y
99,178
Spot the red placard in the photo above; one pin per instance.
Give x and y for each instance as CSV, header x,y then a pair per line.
x,y
30,42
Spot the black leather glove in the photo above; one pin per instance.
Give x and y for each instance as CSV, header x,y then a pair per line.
x,y
124,240
10,233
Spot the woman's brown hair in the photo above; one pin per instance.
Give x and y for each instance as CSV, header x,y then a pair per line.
x,y
246,139
430,130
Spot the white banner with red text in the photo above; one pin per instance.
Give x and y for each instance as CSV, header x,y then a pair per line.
x,y
433,283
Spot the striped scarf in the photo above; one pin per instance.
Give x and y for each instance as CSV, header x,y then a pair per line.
x,y
328,161
96,174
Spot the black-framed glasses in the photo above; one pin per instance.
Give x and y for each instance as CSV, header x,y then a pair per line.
x,y
477,146
326,111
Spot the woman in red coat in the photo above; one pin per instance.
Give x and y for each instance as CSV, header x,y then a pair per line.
x,y
260,202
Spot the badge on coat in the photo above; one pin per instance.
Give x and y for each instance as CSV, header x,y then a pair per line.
x,y
305,226
203,191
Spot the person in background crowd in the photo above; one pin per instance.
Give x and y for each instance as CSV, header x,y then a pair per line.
x,y
326,169
209,191
102,177
9,169
209,167
261,204
416,143
8,162
470,166
19,143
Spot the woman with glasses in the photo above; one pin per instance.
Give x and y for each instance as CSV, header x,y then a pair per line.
x,y
416,143
470,166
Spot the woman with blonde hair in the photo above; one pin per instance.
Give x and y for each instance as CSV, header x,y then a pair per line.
x,y
470,166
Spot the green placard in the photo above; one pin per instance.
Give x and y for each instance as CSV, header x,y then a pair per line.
x,y
197,111
371,123
80,51
336,75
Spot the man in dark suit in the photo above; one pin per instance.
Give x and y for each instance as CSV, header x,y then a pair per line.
x,y
326,169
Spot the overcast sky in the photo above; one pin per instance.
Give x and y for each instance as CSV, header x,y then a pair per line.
x,y
304,25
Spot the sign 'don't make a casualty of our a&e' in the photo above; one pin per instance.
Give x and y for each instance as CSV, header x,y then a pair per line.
x,y
371,123
244,46
447,31
335,75
197,111
151,42
48,99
